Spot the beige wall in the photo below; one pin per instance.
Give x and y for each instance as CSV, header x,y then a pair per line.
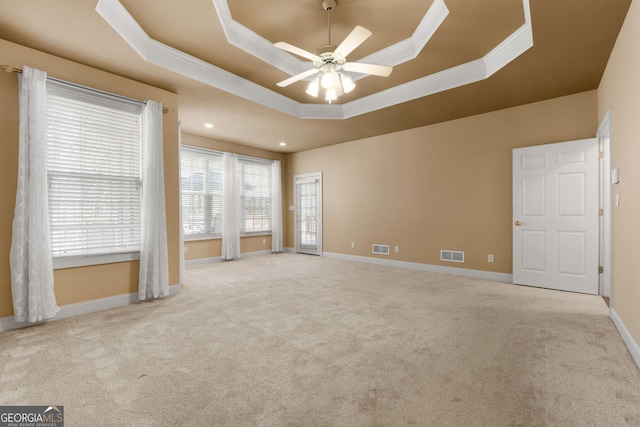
x,y
620,91
445,186
86,283
201,249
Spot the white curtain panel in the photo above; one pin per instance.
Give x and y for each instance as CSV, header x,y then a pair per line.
x,y
30,256
276,208
231,215
154,264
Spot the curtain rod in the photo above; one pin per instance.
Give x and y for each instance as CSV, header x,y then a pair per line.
x,y
10,69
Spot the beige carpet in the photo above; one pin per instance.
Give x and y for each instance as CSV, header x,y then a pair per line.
x,y
294,340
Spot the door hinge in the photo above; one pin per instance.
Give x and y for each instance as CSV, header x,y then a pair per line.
x,y
601,212
601,154
601,269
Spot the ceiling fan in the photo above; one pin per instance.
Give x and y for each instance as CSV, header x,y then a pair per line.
x,y
330,60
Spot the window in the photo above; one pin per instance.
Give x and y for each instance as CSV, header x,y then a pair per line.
x,y
256,195
94,171
201,176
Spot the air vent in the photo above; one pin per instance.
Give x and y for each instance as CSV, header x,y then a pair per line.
x,y
380,249
451,256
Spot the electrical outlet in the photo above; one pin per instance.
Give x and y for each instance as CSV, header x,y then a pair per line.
x,y
490,258
353,245
264,241
397,248
185,249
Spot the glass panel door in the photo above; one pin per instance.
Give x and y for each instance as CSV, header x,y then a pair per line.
x,y
308,189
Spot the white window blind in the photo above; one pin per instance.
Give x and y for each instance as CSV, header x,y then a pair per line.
x,y
94,171
201,177
256,195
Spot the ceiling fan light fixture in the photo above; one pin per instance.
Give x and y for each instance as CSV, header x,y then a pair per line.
x,y
314,87
328,79
330,95
347,84
330,60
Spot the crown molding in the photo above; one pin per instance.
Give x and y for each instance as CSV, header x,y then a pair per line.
x,y
123,23
408,49
180,62
243,38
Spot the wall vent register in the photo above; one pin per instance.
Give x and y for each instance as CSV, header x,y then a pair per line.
x,y
380,249
451,256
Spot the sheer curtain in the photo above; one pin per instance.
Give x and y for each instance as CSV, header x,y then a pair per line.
x,y
154,264
231,215
276,208
30,257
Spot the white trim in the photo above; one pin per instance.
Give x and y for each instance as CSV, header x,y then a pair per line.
x,y
255,45
605,144
200,261
398,53
200,237
255,254
191,67
85,307
632,345
465,272
83,261
182,247
408,49
513,46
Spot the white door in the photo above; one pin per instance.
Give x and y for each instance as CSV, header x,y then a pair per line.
x,y
308,210
556,216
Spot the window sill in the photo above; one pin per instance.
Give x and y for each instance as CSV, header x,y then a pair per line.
x,y
85,261
219,236
256,233
192,238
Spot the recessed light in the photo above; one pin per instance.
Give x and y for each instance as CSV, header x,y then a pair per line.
x,y
208,125
283,144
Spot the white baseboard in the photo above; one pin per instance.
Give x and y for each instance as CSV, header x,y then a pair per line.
x,y
200,261
255,254
85,307
477,274
632,345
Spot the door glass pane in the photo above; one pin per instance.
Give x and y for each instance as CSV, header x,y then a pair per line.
x,y
308,203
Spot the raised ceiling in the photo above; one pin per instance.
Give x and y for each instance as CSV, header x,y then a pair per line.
x,y
218,57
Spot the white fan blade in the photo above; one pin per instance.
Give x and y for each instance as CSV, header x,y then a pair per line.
x,y
353,40
296,50
376,70
297,77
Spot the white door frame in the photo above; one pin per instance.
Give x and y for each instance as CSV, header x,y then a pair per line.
x,y
604,136
310,176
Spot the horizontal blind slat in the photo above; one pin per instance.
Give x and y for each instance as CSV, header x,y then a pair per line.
x,y
94,168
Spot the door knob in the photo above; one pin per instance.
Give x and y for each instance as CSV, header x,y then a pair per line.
x,y
517,223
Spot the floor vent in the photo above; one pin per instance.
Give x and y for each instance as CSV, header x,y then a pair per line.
x,y
380,249
452,256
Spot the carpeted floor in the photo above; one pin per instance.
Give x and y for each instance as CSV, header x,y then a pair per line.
x,y
295,340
